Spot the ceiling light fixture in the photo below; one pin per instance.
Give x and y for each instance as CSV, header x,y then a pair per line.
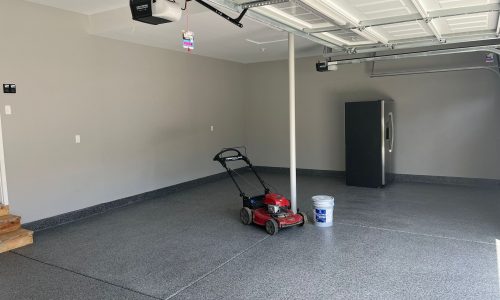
x,y
265,42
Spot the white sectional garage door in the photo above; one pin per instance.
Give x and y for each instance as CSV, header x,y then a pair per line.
x,y
351,25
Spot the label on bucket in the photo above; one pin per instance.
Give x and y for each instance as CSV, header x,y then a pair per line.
x,y
321,215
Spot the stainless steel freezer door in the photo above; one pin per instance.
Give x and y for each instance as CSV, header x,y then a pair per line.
x,y
387,141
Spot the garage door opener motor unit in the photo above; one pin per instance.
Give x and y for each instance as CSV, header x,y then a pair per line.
x,y
157,12
270,210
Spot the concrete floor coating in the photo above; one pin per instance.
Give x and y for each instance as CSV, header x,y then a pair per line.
x,y
407,241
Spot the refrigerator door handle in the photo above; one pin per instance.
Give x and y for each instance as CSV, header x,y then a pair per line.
x,y
391,130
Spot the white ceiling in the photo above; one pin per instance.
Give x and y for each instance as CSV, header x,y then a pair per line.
x,y
214,36
87,7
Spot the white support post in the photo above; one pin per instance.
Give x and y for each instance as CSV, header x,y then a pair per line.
x,y
293,156
4,195
498,27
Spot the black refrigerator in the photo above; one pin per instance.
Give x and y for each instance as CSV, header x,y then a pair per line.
x,y
369,139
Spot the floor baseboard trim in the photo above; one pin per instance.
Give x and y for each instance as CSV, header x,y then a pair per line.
x,y
409,178
463,181
80,214
307,172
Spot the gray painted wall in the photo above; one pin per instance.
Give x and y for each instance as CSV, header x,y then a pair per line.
x,y
144,114
447,124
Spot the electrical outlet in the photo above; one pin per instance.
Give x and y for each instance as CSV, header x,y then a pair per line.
x,y
212,128
78,140
8,110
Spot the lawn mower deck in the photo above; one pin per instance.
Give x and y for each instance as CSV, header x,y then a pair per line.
x,y
270,209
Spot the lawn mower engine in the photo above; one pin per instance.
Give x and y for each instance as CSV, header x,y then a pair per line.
x,y
277,205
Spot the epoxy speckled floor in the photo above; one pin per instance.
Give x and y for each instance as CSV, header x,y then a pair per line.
x,y
408,241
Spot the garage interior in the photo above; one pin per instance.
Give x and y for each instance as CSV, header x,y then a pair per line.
x,y
109,128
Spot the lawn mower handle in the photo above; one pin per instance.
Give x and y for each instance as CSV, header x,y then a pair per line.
x,y
239,156
218,157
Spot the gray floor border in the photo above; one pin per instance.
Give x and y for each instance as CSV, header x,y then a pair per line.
x,y
101,208
307,172
461,181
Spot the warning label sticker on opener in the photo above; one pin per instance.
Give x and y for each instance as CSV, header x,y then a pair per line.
x,y
188,40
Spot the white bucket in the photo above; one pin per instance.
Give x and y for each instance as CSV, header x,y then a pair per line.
x,y
323,210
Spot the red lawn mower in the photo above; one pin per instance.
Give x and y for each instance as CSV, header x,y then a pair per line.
x,y
270,210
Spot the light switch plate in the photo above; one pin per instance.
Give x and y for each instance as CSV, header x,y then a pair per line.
x,y
8,110
9,88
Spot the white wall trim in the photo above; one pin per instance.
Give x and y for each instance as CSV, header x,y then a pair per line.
x,y
4,195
